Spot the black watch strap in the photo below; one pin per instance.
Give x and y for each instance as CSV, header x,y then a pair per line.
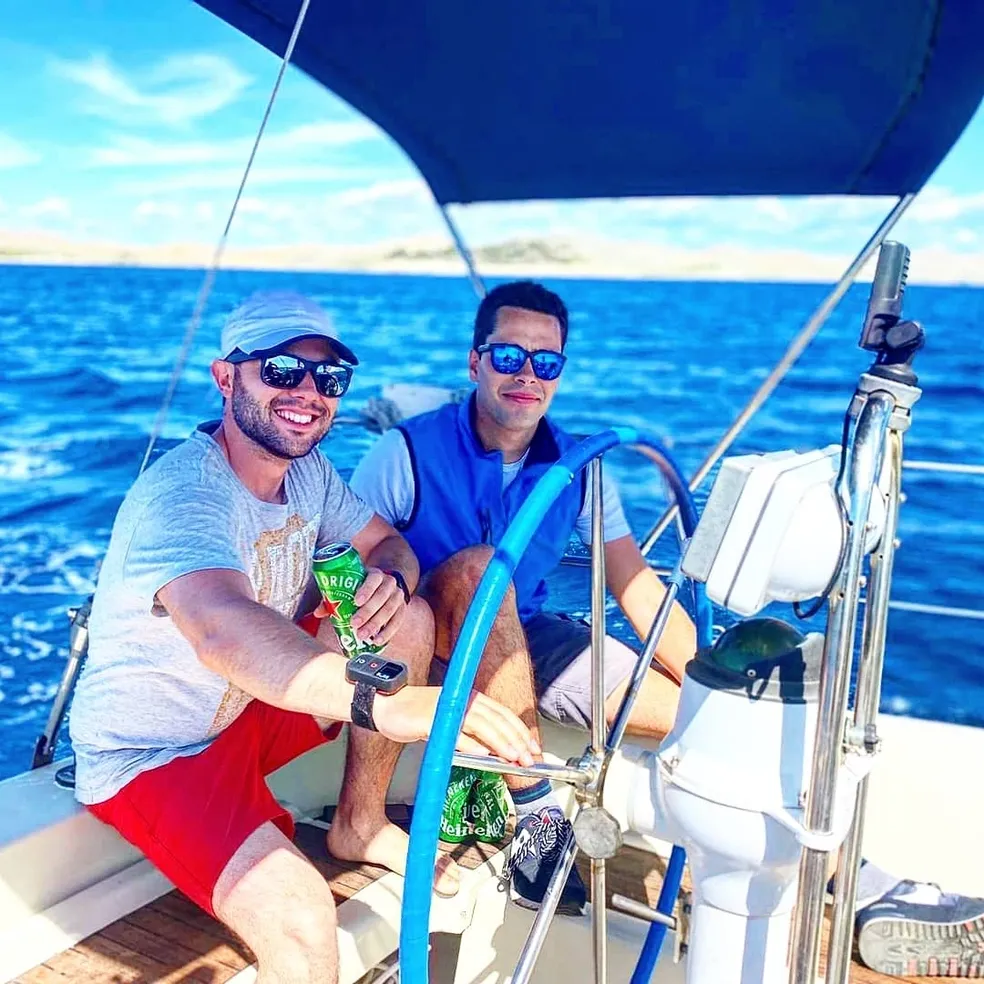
x,y
402,582
362,701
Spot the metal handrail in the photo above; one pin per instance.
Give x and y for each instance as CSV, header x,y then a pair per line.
x,y
944,466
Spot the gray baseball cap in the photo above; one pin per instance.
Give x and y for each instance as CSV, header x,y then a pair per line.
x,y
269,319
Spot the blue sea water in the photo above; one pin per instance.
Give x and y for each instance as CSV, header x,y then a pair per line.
x,y
88,353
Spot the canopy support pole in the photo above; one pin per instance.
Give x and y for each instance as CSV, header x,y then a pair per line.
x,y
463,251
795,350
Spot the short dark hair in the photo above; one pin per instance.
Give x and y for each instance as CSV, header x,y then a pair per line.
x,y
523,294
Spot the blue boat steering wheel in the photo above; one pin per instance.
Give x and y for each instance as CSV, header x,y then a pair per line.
x,y
463,666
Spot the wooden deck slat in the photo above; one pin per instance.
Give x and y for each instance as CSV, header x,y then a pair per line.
x,y
81,963
171,940
234,955
185,911
139,940
74,966
42,975
102,948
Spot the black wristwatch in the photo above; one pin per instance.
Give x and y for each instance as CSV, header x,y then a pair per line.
x,y
402,582
372,673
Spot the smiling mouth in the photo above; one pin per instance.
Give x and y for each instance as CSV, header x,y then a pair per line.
x,y
522,397
295,417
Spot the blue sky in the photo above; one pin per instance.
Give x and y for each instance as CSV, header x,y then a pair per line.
x,y
131,122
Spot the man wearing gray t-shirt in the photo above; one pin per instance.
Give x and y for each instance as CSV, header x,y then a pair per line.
x,y
199,683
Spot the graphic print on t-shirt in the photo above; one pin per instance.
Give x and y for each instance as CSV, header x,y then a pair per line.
x,y
282,563
280,569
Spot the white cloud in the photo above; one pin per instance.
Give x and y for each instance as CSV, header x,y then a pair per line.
x,y
381,210
405,190
127,151
158,210
139,152
772,208
195,212
942,205
329,133
13,153
47,208
227,179
274,210
177,90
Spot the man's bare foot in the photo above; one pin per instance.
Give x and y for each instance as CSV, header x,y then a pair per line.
x,y
378,841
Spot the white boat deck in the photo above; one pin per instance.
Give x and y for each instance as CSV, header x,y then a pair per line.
x,y
78,905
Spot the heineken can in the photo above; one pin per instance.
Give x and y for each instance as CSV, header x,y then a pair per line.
x,y
489,804
476,807
455,821
339,572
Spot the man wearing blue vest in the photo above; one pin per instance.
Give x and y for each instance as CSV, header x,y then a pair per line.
x,y
451,481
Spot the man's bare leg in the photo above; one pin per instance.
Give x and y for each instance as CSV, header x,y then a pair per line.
x,y
505,672
360,830
281,907
655,708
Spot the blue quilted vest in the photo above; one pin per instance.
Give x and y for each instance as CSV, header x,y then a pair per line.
x,y
459,502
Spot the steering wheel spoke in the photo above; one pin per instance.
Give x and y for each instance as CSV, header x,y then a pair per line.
x,y
541,924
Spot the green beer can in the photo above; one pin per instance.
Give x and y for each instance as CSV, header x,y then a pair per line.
x,y
476,807
489,807
455,817
339,571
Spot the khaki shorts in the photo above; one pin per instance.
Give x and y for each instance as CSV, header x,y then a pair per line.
x,y
560,648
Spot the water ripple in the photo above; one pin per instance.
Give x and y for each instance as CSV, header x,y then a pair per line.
x,y
94,351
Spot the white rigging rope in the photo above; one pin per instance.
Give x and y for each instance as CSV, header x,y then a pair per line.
x,y
210,274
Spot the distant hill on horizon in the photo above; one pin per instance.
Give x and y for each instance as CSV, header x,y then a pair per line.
x,y
543,256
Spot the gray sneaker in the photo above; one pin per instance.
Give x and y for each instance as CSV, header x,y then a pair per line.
x,y
917,931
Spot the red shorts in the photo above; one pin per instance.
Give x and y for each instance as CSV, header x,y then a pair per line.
x,y
189,817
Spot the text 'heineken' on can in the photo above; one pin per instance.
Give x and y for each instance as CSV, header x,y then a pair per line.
x,y
339,571
476,807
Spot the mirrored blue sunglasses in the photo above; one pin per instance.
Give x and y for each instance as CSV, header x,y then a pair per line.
x,y
509,359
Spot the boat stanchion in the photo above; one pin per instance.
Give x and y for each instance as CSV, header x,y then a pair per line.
x,y
880,413
864,462
866,701
896,342
78,646
590,795
598,726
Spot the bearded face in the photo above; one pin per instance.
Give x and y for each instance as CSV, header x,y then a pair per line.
x,y
287,424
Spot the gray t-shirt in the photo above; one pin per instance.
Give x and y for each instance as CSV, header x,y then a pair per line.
x,y
144,698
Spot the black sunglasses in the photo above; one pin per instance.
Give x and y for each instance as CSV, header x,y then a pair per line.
x,y
282,370
510,359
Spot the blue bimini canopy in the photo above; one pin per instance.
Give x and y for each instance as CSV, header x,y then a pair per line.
x,y
499,100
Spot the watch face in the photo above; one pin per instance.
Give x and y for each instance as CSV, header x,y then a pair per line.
x,y
390,671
